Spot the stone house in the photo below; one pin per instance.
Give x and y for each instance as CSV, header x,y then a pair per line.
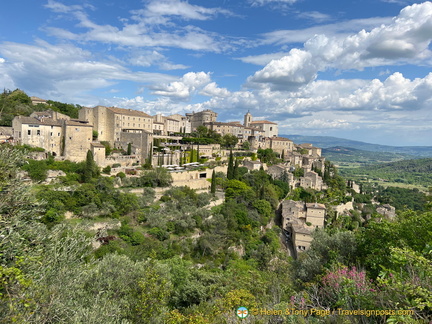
x,y
387,211
58,134
200,118
270,129
110,122
252,165
312,180
299,220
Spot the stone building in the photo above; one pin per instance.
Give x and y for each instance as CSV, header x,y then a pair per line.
x,y
252,165
387,211
78,136
57,133
184,123
299,220
98,151
269,128
46,133
141,140
110,122
278,144
201,117
37,100
312,180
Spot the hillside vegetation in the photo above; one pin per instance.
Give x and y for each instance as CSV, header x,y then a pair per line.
x,y
17,102
418,171
82,251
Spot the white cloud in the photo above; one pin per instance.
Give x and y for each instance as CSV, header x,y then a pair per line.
x,y
212,90
340,29
293,70
262,59
153,27
154,58
315,16
325,124
65,71
182,89
259,3
62,8
405,40
396,95
159,10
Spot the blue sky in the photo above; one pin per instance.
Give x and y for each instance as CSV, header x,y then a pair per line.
x,y
354,69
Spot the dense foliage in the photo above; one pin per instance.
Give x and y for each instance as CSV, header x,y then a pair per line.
x,y
17,102
85,250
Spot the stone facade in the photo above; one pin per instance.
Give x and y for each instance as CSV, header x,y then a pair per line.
x,y
58,134
141,140
200,118
270,129
252,165
110,122
299,220
77,140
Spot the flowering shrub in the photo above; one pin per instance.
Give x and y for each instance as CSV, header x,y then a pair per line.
x,y
346,288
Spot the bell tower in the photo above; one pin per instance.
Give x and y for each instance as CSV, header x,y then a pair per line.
x,y
247,119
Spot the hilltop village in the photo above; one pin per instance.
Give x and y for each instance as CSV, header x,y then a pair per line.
x,y
160,141
99,128
178,219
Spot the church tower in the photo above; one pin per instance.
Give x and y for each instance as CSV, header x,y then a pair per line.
x,y
247,119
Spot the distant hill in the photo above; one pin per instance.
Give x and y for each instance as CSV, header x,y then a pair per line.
x,y
329,141
350,157
417,171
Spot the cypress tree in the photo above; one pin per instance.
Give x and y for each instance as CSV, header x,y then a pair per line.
x,y
230,170
129,149
213,183
235,170
90,169
198,154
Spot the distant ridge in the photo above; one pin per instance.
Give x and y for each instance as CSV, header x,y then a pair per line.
x,y
329,141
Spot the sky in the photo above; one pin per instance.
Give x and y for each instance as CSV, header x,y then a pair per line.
x,y
357,69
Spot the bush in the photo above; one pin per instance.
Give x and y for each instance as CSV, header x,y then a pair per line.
x,y
106,170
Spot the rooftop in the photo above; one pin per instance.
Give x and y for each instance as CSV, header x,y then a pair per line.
x,y
262,122
130,112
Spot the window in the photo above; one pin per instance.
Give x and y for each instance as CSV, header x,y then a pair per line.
x,y
29,132
38,132
51,133
271,128
58,134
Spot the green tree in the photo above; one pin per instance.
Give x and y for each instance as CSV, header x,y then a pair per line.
x,y
230,170
91,169
213,183
246,145
129,149
229,140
